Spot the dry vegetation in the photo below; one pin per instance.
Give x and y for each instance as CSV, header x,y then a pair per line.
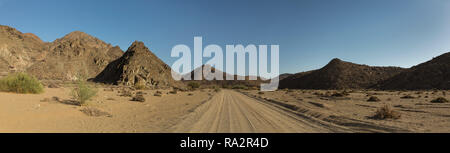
x,y
21,83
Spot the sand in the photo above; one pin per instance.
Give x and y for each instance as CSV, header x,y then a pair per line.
x,y
35,113
355,113
226,111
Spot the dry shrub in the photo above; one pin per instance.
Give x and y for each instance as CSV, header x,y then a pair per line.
x,y
83,92
21,83
386,112
193,85
94,112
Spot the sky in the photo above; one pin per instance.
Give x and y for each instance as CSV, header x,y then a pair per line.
x,y
309,32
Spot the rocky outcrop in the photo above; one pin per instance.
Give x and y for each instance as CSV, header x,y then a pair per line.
x,y
138,66
434,74
338,74
75,55
18,51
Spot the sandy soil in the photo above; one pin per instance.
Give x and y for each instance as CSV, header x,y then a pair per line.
x,y
40,113
236,111
233,112
354,112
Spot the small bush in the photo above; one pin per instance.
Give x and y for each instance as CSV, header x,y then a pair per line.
x,y
240,86
139,86
216,89
439,100
386,112
193,85
21,83
83,92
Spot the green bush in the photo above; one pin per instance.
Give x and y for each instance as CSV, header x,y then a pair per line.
x,y
193,85
83,92
240,86
21,83
216,89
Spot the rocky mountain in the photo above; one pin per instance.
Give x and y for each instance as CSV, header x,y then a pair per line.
x,y
434,74
18,51
338,74
284,75
76,54
138,66
224,82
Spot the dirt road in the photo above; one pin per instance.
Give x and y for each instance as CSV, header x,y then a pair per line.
x,y
233,112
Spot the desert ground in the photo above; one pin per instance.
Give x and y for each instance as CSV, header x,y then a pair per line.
x,y
224,111
107,112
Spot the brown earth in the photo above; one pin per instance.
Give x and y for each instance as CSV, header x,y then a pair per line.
x,y
339,74
107,112
354,113
237,111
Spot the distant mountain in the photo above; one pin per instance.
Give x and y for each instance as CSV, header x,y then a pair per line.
x,y
224,82
18,51
76,54
138,66
434,74
338,74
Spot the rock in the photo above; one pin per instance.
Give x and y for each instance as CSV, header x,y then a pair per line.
x,y
138,98
53,85
373,99
439,100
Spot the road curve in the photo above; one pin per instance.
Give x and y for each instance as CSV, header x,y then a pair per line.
x,y
232,112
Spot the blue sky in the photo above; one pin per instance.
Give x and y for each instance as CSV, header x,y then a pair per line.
x,y
309,32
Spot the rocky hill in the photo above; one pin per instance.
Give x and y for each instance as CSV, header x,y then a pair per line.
x,y
138,66
338,74
222,83
434,74
76,54
18,51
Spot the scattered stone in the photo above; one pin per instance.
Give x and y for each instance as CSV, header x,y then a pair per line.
x,y
157,94
53,85
407,97
439,100
138,98
373,99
